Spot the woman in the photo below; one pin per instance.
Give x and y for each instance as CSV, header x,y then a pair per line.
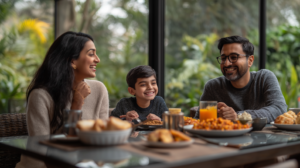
x,y
60,84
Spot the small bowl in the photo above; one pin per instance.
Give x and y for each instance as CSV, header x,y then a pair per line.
x,y
259,123
245,121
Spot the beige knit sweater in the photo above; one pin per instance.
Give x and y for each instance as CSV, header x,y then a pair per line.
x,y
40,112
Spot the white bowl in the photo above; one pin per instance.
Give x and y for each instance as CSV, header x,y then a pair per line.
x,y
188,126
104,137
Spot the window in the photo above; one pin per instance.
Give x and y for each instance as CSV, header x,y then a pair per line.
x,y
283,41
192,31
25,35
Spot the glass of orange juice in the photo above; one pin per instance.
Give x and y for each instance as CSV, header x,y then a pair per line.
x,y
208,109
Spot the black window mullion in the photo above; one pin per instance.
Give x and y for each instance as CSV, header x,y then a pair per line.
x,y
262,34
156,53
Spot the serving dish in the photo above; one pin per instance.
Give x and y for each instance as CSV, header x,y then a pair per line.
x,y
294,127
219,133
104,137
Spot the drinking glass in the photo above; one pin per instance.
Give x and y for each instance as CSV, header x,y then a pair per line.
x,y
173,121
207,110
70,119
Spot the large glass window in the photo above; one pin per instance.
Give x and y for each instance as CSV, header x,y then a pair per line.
x,y
120,31
25,35
283,51
192,30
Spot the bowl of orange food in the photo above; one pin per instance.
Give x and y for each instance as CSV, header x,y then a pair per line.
x,y
99,132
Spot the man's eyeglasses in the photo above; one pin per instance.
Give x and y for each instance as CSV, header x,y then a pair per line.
x,y
232,58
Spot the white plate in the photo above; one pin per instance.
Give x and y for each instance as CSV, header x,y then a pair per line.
x,y
218,133
169,145
294,127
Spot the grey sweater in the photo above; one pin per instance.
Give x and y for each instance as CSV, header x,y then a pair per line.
x,y
261,97
157,106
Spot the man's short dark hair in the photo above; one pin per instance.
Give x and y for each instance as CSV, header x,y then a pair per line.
x,y
143,71
248,47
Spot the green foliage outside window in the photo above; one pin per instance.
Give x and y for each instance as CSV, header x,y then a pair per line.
x,y
190,57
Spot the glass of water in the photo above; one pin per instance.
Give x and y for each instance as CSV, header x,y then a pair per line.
x,y
70,119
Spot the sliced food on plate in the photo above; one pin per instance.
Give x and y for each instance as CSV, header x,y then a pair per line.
x,y
168,139
288,121
288,118
152,122
167,136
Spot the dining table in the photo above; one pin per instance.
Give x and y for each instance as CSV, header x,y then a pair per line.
x,y
207,152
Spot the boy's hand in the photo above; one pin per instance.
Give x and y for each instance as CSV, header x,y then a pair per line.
x,y
153,117
130,115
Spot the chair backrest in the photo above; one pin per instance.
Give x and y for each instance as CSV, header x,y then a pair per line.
x,y
13,124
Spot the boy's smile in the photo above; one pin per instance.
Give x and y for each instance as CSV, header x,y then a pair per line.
x,y
145,89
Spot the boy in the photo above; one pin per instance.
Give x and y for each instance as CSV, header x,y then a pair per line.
x,y
141,82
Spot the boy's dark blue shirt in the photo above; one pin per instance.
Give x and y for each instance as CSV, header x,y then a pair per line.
x,y
157,106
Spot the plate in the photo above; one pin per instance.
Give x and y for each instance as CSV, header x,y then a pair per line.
x,y
169,145
294,127
149,126
63,138
218,133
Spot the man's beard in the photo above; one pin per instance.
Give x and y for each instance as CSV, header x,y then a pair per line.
x,y
239,73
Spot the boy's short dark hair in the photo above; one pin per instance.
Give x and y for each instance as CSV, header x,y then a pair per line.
x,y
248,47
143,71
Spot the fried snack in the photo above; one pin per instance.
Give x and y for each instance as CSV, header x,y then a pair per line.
x,y
99,125
174,110
179,136
283,119
292,114
115,123
190,120
153,136
85,125
165,136
220,124
297,119
152,122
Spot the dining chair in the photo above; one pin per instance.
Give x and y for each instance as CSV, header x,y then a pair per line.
x,y
193,111
11,124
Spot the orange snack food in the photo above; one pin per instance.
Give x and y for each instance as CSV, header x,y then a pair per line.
x,y
190,120
220,124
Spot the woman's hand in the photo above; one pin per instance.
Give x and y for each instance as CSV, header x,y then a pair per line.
x,y
153,117
81,91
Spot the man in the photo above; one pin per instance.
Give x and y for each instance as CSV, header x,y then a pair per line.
x,y
257,93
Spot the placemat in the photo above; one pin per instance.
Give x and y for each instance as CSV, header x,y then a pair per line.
x,y
199,148
67,145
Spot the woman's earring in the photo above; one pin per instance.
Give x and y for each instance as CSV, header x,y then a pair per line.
x,y
74,66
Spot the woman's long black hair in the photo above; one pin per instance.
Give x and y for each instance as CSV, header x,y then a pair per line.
x,y
56,73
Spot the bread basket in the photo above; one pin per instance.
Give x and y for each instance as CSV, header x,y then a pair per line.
x,y
104,137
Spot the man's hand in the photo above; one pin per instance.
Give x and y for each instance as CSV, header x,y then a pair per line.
x,y
226,112
130,115
153,117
